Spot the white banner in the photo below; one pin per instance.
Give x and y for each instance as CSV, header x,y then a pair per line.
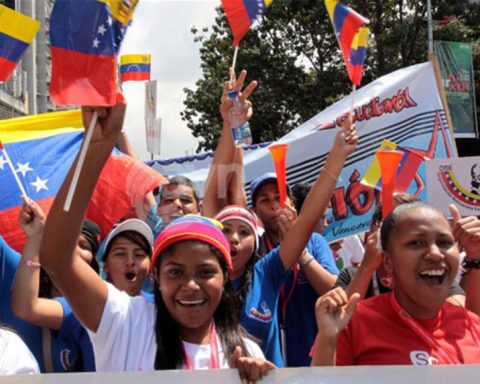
x,y
446,374
153,124
151,99
403,107
454,181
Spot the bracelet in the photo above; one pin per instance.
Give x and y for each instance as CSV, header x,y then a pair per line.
x,y
304,265
469,263
335,178
30,263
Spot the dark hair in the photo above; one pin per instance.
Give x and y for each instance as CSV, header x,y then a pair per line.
x,y
167,331
246,279
254,196
299,193
390,223
398,199
135,238
180,180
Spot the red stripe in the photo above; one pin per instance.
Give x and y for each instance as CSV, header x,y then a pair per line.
x,y
81,79
238,19
407,172
6,68
134,76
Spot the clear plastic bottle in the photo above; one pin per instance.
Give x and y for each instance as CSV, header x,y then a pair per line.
x,y
242,135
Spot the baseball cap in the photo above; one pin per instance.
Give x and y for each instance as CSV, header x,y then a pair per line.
x,y
260,181
134,225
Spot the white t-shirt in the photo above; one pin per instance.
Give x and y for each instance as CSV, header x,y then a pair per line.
x,y
125,338
352,251
15,357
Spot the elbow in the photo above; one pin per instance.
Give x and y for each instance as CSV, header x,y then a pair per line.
x,y
21,310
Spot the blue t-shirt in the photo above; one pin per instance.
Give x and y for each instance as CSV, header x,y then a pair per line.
x,y
299,323
154,221
260,312
66,353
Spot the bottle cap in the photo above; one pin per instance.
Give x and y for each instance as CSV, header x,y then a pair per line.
x,y
232,94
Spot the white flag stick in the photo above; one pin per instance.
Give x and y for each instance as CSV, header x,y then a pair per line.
x,y
81,159
10,165
234,62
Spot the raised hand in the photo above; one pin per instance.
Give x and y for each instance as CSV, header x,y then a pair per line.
x,y
31,218
467,232
286,218
346,138
250,369
237,85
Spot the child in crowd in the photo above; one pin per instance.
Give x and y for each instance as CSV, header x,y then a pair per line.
x,y
413,324
190,262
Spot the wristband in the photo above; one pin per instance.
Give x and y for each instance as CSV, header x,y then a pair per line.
x,y
469,263
30,263
303,265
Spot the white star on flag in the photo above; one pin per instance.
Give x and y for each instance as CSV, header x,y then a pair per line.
x,y
2,162
109,20
96,42
40,184
101,29
23,168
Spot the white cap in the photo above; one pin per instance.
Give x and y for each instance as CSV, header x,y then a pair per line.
x,y
135,225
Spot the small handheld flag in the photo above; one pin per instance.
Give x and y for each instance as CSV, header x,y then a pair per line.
x,y
241,14
352,37
135,67
85,40
16,34
6,159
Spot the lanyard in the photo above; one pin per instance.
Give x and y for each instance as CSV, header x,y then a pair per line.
x,y
421,332
214,356
375,287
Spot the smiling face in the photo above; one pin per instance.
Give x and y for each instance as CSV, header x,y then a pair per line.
x,y
422,256
126,265
176,201
191,281
242,244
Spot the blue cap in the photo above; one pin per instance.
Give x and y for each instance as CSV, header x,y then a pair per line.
x,y
260,181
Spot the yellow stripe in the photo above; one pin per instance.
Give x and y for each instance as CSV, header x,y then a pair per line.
x,y
120,11
17,25
135,59
373,174
268,2
461,188
361,38
330,5
39,126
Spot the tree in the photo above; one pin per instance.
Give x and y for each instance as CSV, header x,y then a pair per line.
x,y
294,55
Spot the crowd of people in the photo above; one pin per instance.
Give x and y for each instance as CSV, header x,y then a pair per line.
x,y
190,284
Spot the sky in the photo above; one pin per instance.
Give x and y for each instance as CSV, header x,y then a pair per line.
x,y
162,28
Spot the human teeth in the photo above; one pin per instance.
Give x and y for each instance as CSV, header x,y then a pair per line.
x,y
192,302
433,272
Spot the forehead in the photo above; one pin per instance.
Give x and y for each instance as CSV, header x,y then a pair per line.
x,y
191,252
235,223
424,218
268,188
177,190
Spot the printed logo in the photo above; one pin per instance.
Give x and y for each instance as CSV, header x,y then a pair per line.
x,y
422,358
67,360
464,192
264,315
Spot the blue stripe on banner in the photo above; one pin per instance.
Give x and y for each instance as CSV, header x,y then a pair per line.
x,y
126,68
11,48
357,56
339,15
83,26
254,8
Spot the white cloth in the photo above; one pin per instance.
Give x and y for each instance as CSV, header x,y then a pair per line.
x,y
15,357
352,251
125,338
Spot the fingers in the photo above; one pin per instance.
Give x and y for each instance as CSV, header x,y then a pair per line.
x,y
237,353
351,305
248,91
454,212
253,369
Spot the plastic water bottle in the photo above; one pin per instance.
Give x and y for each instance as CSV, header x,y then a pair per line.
x,y
236,118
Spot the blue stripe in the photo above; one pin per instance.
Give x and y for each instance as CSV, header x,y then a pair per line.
x,y
83,26
254,8
340,13
126,68
357,56
10,48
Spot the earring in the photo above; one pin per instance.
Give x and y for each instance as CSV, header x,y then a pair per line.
x,y
160,288
387,281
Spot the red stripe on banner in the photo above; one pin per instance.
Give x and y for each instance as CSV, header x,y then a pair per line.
x,y
407,172
81,79
134,76
6,68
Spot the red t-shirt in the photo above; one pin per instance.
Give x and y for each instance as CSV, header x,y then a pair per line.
x,y
376,335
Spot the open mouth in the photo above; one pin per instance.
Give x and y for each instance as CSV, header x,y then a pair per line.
x,y
192,303
131,276
233,253
433,276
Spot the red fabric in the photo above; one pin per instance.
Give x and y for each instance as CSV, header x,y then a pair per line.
x,y
6,68
134,76
81,79
238,19
376,335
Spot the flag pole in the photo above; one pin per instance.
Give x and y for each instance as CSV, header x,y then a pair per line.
x,y
81,159
234,62
430,26
352,105
10,165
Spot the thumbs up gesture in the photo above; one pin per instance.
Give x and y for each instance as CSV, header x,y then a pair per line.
x,y
467,232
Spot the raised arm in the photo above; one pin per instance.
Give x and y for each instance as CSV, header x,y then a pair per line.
x,y
317,199
26,304
85,291
227,163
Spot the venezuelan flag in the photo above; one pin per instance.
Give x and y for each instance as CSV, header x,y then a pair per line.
x,y
135,67
42,149
241,14
85,40
406,170
351,37
16,34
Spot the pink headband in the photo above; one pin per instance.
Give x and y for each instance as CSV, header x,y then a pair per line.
x,y
236,212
